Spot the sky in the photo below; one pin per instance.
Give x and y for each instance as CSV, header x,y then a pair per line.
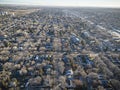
x,y
88,3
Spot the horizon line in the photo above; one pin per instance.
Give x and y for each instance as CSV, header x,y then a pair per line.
x,y
21,4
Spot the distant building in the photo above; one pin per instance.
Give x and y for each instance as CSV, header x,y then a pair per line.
x,y
85,35
74,40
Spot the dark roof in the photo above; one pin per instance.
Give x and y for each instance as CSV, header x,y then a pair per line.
x,y
2,37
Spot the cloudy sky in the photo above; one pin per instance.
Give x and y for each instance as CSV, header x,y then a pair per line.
x,y
93,3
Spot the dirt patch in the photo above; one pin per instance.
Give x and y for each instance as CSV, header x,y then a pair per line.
x,y
23,12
